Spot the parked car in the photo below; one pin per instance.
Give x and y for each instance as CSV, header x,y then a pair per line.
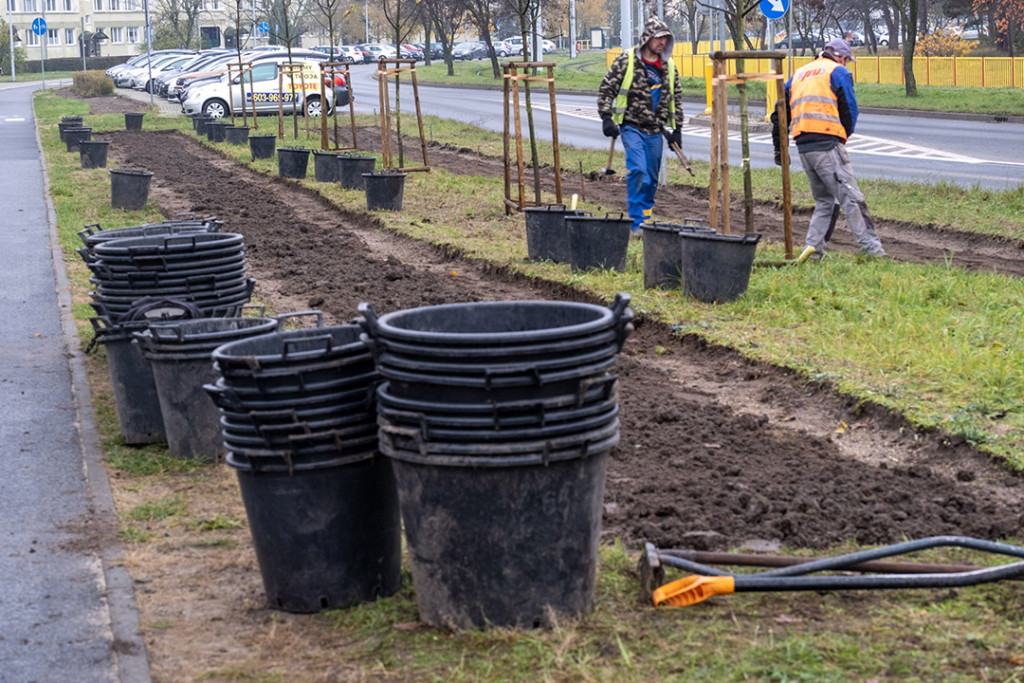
x,y
411,52
137,76
503,48
220,98
142,60
142,80
800,43
472,50
163,83
353,54
379,51
436,51
220,67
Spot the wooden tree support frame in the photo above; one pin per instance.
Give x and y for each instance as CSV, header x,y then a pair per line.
x,y
290,69
513,73
328,70
385,69
241,69
719,180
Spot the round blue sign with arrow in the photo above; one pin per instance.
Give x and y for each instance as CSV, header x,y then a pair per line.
x,y
263,27
774,9
39,26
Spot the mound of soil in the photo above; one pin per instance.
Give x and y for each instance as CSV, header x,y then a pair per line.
x,y
716,452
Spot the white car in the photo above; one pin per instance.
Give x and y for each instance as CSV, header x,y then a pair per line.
x,y
219,98
380,50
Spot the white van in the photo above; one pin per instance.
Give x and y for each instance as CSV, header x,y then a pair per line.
x,y
301,90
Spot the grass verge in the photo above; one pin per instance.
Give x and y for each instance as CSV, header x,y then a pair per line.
x,y
829,321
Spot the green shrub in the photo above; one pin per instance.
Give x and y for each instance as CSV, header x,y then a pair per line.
x,y
92,84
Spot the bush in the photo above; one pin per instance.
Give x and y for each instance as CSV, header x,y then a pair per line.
x,y
942,44
92,84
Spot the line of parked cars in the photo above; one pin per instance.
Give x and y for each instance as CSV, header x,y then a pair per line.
x,y
203,82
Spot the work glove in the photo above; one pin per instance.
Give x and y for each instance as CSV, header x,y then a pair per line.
x,y
676,138
778,158
610,129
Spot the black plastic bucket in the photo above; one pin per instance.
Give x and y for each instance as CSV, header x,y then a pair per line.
x,y
236,135
262,146
516,547
129,189
131,377
716,268
661,251
384,190
351,168
546,234
180,355
68,122
292,162
133,120
72,136
326,535
215,130
200,122
325,167
598,242
93,153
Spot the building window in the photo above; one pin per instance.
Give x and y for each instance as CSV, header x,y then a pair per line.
x,y
131,5
51,5
33,39
52,36
97,5
69,36
117,34
67,6
30,6
113,5
12,6
133,34
211,5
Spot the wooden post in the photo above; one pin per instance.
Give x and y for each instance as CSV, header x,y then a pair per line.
x,y
554,135
713,169
506,162
722,106
787,206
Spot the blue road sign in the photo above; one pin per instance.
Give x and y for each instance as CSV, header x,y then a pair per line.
x,y
774,9
39,26
263,27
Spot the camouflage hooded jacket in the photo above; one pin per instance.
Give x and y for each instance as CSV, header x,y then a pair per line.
x,y
639,110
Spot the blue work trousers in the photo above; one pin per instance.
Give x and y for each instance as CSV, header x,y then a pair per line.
x,y
643,163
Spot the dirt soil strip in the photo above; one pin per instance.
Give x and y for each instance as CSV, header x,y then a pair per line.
x,y
716,451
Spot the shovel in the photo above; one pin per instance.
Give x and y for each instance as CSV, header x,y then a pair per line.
x,y
608,170
678,151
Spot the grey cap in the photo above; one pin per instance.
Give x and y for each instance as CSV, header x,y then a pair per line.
x,y
840,48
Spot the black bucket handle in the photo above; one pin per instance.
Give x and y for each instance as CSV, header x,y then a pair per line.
x,y
283,316
288,345
368,319
623,317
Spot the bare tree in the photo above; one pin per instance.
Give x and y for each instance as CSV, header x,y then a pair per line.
x,y
908,10
286,27
401,16
330,14
481,12
446,16
180,18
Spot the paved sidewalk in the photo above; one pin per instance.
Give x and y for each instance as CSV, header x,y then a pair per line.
x,y
67,611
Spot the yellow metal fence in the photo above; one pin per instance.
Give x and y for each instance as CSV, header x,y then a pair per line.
x,y
976,72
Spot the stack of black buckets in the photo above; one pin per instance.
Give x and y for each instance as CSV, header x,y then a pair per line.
x,y
490,436
498,418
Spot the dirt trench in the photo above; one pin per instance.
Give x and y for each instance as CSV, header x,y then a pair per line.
x,y
716,451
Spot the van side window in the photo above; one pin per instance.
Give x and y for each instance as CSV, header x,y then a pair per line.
x,y
264,72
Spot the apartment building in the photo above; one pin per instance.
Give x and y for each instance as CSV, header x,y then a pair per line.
x,y
108,28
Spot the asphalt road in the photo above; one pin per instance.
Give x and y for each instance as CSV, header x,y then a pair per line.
x,y
66,611
896,147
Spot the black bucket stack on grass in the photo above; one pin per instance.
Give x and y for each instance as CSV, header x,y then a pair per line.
x,y
498,418
298,420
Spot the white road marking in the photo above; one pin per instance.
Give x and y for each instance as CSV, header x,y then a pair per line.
x,y
13,119
858,144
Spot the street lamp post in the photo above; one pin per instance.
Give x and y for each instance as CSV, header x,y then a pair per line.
x,y
10,30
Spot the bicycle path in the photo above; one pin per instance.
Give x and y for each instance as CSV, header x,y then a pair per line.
x,y
67,610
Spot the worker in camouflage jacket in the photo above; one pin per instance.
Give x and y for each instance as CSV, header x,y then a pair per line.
x,y
641,99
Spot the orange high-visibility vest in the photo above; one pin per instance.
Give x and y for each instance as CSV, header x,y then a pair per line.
x,y
815,107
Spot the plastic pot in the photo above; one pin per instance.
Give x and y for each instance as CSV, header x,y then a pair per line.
x,y
384,190
546,234
351,168
325,167
716,268
262,146
292,162
236,135
72,136
133,120
598,242
93,153
129,189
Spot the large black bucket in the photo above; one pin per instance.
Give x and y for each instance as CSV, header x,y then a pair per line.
x,y
133,120
262,146
93,153
326,535
546,234
517,546
236,135
384,190
72,136
215,130
292,162
180,355
598,242
351,168
131,377
68,122
716,268
325,167
661,251
129,189
200,121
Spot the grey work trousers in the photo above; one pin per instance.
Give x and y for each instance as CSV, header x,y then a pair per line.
x,y
832,182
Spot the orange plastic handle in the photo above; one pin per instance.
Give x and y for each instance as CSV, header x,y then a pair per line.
x,y
690,590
